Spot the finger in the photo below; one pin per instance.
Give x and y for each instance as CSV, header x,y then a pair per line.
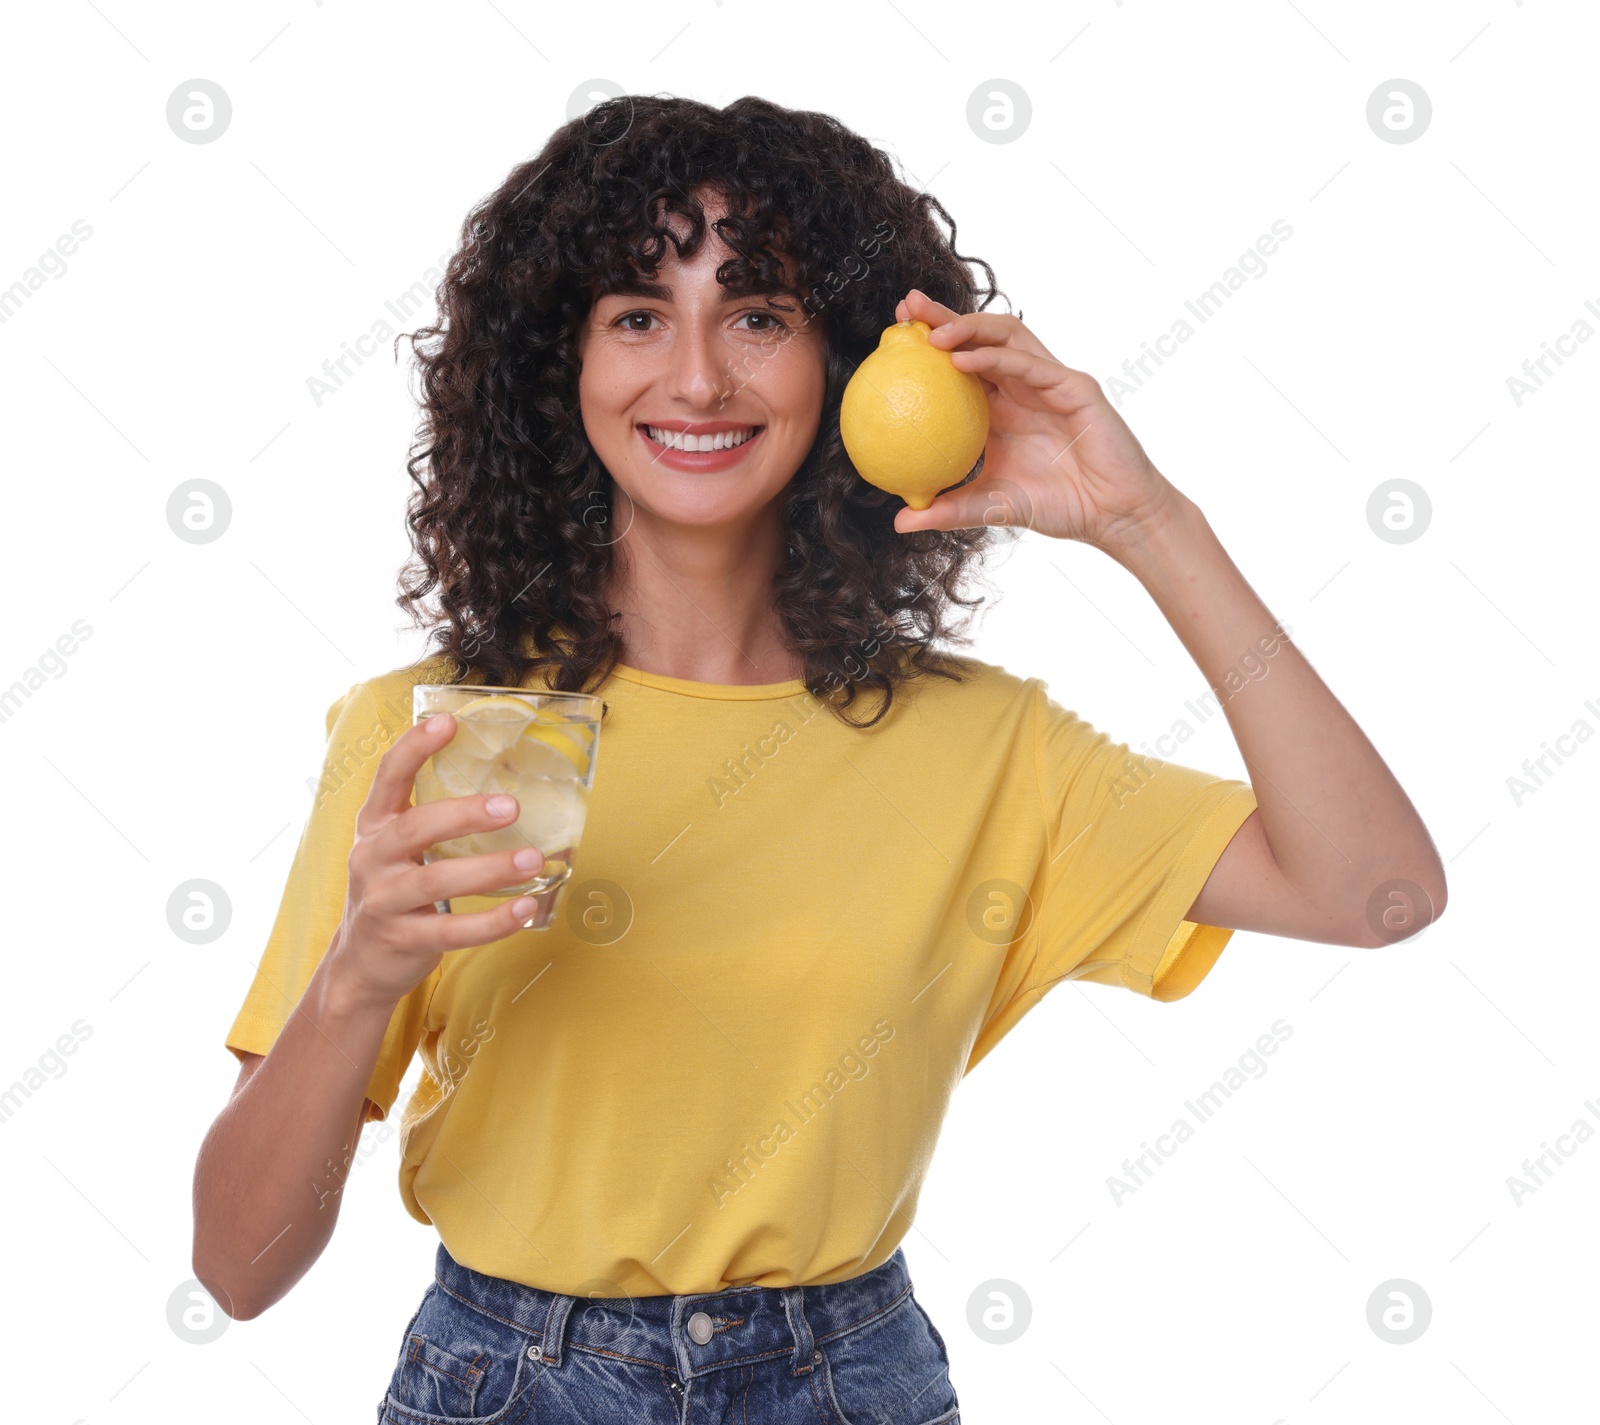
x,y
407,836
977,329
454,876
1078,388
922,307
918,306
427,929
390,793
996,503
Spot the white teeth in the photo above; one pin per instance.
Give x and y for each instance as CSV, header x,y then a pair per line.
x,y
677,440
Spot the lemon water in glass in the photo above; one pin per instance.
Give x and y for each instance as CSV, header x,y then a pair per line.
x,y
539,747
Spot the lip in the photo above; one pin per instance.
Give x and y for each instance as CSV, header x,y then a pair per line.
x,y
699,459
701,427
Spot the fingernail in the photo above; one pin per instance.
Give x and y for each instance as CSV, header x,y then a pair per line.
x,y
500,806
522,907
527,859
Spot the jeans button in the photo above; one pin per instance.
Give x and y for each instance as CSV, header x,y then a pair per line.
x,y
700,1328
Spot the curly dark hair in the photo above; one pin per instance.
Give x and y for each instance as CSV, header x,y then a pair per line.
x,y
509,518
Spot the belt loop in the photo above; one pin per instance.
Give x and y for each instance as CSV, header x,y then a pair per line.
x,y
805,1355
555,1326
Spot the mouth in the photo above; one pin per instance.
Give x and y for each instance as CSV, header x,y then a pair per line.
x,y
699,452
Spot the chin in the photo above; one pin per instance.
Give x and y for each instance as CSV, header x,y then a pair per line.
x,y
700,501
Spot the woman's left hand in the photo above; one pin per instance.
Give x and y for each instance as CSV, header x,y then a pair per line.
x,y
1059,458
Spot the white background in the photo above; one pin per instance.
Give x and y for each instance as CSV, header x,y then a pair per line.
x,y
1165,138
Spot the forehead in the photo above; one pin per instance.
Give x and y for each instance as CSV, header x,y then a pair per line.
x,y
660,289
675,279
676,276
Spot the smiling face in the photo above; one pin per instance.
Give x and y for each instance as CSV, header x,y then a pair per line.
x,y
700,404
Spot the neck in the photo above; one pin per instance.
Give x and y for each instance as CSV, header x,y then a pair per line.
x,y
696,603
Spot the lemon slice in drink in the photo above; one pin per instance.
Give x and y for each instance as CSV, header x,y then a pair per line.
x,y
500,747
488,726
491,705
478,758
491,725
570,742
553,799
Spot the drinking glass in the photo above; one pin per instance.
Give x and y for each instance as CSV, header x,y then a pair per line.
x,y
539,747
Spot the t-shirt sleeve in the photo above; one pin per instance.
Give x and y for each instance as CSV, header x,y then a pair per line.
x,y
359,731
1129,840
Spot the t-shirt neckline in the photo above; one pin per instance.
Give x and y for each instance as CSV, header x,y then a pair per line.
x,y
688,687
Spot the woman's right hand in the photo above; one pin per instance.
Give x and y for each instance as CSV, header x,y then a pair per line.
x,y
391,938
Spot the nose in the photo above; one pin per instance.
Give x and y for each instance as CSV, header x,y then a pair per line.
x,y
698,368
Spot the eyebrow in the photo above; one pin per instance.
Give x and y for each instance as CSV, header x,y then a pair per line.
x,y
640,288
661,292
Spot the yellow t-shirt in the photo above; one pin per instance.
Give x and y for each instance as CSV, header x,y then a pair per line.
x,y
785,942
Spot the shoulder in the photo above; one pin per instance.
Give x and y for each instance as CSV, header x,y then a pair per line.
x,y
979,689
384,699
993,701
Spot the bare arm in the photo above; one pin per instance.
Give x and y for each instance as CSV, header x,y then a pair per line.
x,y
271,1169
1334,851
267,1184
1334,830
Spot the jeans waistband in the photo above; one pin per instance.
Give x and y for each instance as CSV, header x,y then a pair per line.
x,y
692,1334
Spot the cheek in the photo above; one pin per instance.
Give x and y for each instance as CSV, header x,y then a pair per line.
x,y
602,386
792,384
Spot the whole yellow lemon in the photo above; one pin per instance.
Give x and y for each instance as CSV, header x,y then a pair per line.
x,y
911,422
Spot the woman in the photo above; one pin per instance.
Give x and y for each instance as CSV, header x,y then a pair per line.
x,y
671,1145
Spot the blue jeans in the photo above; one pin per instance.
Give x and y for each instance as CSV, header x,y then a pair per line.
x,y
855,1352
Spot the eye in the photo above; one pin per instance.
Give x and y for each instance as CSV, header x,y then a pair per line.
x,y
628,317
772,317
774,322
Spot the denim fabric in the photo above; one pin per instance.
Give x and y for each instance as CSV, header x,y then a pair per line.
x,y
856,1352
